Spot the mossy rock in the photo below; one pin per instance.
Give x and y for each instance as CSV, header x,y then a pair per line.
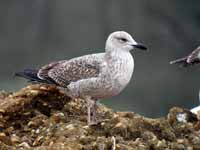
x,y
43,118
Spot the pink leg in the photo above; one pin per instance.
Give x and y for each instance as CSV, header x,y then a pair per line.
x,y
94,113
88,110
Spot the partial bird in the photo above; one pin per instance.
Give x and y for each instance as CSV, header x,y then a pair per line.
x,y
189,60
94,76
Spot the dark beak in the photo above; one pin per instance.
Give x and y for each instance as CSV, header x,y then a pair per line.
x,y
140,46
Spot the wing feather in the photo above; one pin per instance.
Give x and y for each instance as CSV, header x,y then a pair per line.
x,y
67,71
193,57
73,71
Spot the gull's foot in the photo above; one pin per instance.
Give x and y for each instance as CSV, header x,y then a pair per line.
x,y
93,123
98,122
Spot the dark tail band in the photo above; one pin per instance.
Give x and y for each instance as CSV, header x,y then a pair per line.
x,y
32,76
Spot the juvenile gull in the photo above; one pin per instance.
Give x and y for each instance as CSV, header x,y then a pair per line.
x,y
190,60
94,76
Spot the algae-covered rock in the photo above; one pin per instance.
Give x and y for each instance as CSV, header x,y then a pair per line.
x,y
43,118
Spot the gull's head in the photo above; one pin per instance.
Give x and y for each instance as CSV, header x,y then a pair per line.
x,y
121,40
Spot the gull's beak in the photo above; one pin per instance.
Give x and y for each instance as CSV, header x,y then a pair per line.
x,y
140,46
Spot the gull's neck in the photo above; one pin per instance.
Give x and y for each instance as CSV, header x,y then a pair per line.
x,y
111,55
119,60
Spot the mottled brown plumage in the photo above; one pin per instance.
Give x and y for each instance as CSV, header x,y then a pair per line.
x,y
43,72
72,71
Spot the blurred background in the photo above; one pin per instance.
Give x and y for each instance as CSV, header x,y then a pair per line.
x,y
33,33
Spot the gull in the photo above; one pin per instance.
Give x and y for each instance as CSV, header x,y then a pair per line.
x,y
192,59
189,60
94,76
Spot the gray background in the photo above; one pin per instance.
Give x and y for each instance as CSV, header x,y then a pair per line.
x,y
33,33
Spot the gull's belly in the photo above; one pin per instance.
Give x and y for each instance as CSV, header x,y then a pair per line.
x,y
98,88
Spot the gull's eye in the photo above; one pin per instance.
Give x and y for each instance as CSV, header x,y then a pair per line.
x,y
123,39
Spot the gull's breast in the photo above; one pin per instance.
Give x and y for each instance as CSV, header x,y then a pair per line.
x,y
120,73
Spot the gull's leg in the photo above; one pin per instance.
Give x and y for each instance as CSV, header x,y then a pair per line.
x,y
88,110
94,112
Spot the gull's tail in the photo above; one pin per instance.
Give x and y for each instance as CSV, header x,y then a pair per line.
x,y
30,74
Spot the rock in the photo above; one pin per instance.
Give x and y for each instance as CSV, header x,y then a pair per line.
x,y
14,139
24,145
41,118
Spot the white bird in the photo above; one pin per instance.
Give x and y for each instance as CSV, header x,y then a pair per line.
x,y
196,109
94,76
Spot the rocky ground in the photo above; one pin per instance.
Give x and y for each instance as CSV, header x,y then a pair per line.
x,y
42,118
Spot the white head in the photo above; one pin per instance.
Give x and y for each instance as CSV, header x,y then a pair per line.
x,y
121,40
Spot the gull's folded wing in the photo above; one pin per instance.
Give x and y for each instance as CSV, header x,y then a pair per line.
x,y
65,72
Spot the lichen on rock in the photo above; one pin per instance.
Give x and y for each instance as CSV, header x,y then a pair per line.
x,y
43,118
